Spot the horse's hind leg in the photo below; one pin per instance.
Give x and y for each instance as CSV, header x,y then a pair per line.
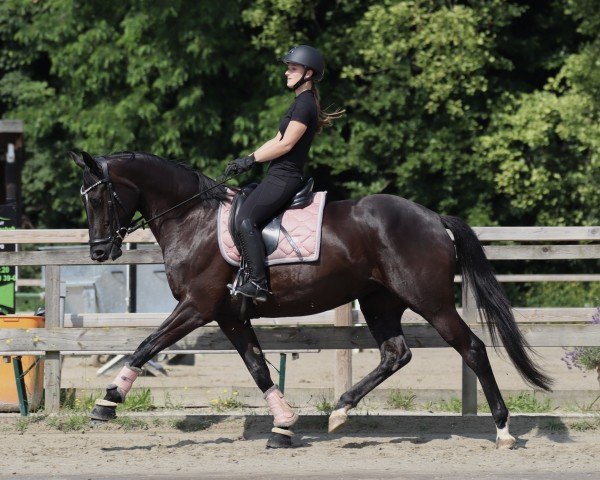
x,y
382,312
456,332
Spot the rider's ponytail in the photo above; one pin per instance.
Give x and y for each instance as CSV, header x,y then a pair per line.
x,y
325,119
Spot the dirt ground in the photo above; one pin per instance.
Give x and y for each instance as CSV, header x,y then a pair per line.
x,y
376,444
392,448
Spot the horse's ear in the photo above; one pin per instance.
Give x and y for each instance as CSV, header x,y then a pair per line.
x,y
90,163
76,157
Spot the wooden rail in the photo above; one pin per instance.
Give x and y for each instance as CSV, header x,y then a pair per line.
x,y
340,330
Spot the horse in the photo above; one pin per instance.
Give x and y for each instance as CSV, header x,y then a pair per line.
x,y
387,252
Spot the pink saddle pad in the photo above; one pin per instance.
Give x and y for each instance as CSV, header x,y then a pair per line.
x,y
302,224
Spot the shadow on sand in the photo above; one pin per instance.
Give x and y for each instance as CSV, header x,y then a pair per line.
x,y
414,429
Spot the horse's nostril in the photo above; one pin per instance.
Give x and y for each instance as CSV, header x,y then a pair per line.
x,y
97,254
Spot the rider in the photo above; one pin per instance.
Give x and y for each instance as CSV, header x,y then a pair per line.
x,y
287,152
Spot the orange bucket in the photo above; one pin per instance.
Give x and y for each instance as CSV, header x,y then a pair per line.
x,y
34,380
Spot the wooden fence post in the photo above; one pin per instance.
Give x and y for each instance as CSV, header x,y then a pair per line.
x,y
52,359
342,377
469,379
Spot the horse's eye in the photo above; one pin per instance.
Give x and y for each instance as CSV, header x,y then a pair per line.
x,y
94,202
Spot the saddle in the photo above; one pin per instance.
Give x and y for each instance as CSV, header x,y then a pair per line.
x,y
271,231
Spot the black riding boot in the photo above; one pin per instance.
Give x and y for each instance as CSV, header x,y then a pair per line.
x,y
253,250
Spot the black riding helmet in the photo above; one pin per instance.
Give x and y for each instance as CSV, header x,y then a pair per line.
x,y
308,57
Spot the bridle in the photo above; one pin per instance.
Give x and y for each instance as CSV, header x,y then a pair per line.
x,y
118,236
113,203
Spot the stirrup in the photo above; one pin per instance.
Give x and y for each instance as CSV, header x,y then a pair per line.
x,y
260,295
238,281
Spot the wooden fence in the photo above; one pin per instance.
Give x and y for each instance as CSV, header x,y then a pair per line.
x,y
342,329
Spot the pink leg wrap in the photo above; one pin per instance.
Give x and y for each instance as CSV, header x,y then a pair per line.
x,y
283,414
125,378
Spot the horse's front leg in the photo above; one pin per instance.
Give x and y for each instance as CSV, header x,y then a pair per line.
x,y
182,321
243,338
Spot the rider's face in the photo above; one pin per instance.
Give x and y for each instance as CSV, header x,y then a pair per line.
x,y
294,73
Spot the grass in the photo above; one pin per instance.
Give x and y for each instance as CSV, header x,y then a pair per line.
x,y
191,424
138,401
325,407
69,422
75,411
128,423
170,404
585,425
554,426
453,405
157,422
402,400
21,425
223,404
522,403
527,403
70,401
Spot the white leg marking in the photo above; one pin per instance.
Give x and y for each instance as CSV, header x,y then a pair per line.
x,y
504,439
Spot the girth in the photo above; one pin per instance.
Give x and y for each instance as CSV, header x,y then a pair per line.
x,y
270,233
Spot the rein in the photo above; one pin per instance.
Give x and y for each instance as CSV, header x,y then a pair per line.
x,y
143,223
120,233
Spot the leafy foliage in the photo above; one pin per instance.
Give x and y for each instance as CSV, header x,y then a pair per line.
x,y
484,109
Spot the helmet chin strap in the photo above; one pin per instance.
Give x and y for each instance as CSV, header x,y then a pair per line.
x,y
302,80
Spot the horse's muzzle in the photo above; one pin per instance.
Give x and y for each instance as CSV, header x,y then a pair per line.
x,y
116,252
98,254
101,253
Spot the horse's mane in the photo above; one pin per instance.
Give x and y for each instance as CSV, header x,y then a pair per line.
x,y
213,197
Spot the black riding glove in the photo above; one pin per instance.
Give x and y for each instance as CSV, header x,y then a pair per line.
x,y
240,165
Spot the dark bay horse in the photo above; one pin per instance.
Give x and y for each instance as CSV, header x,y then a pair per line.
x,y
389,253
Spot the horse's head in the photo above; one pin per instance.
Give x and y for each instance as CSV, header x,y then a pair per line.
x,y
110,202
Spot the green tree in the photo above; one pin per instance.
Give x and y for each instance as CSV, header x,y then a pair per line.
x,y
138,75
543,145
487,109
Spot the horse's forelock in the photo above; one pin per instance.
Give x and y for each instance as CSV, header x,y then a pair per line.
x,y
88,178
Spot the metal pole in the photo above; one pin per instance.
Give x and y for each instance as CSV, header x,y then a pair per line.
x,y
132,283
21,391
282,362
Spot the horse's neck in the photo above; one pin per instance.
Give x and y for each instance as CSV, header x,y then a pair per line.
x,y
162,186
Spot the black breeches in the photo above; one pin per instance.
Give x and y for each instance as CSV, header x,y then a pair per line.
x,y
268,199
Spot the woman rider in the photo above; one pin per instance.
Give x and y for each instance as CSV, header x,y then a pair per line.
x,y
287,153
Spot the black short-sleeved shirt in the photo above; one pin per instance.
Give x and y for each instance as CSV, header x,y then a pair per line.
x,y
303,110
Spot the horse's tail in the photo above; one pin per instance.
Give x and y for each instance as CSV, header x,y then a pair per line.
x,y
492,301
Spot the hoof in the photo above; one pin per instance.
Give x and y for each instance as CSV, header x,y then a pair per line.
x,y
338,419
104,411
504,439
280,438
506,443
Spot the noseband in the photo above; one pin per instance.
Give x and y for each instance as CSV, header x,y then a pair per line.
x,y
117,237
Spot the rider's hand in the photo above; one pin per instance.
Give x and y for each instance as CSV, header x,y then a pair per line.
x,y
240,165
